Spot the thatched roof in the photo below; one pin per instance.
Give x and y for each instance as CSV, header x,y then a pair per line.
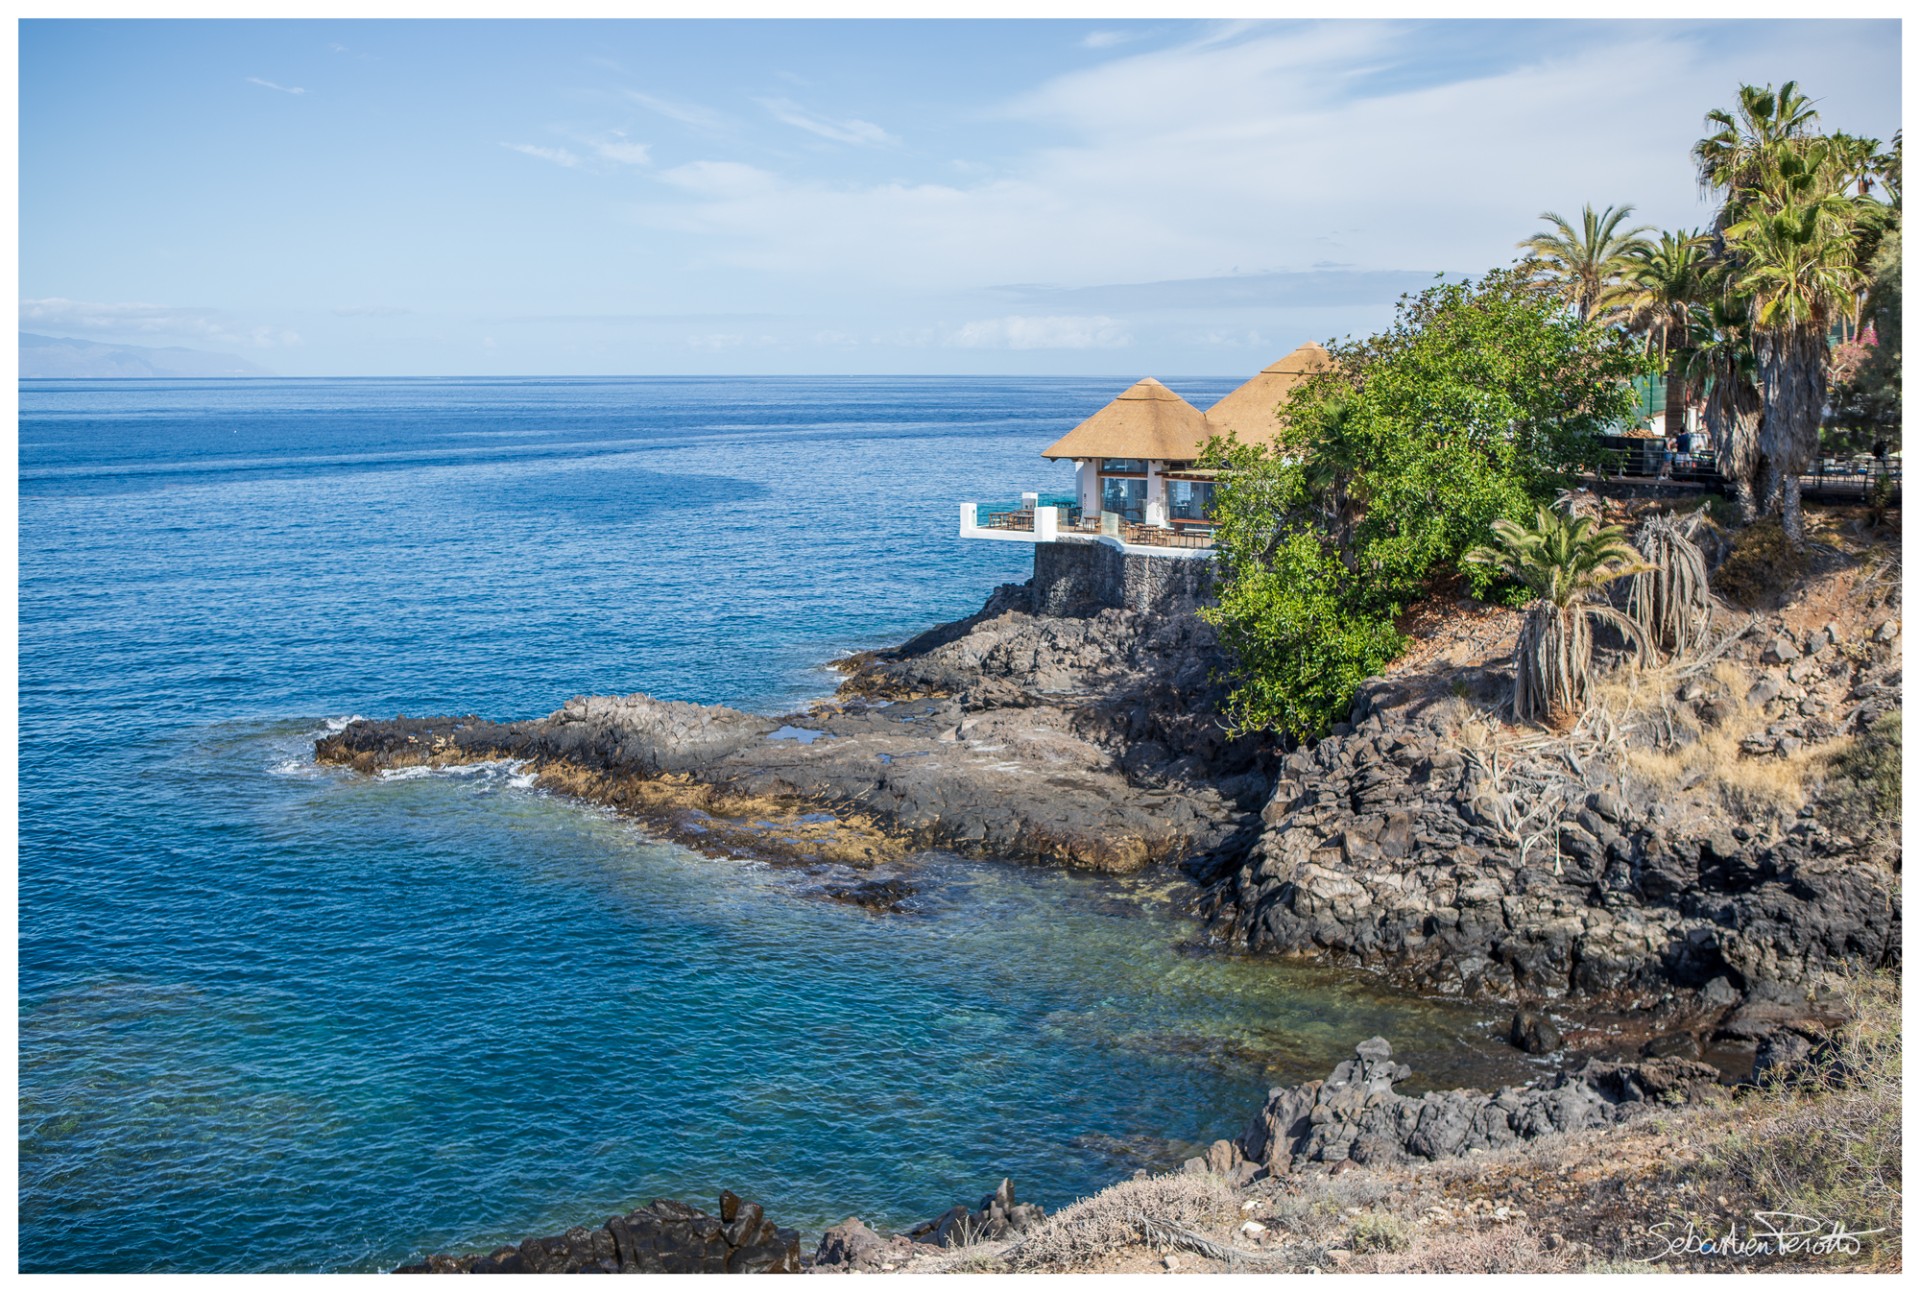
x,y
1146,421
1249,411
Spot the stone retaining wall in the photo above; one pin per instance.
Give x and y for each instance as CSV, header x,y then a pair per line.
x,y
1075,578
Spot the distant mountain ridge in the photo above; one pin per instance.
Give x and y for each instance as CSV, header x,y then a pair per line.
x,y
65,356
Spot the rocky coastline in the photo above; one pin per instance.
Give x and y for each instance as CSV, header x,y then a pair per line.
x,y
1670,881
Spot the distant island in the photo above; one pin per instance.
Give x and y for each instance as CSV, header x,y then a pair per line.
x,y
65,356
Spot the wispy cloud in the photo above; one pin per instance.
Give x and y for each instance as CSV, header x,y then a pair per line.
x,y
270,85
370,311
851,131
135,318
1107,39
687,114
616,147
1042,332
558,156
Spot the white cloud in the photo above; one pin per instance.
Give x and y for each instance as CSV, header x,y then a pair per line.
x,y
123,319
1042,332
269,85
851,131
687,114
370,311
722,179
558,156
617,148
1107,39
1251,146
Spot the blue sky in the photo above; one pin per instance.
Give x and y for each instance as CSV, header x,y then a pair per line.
x,y
1126,198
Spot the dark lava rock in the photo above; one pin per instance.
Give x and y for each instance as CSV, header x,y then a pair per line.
x,y
874,894
1356,1116
998,1215
1086,740
1533,1032
1398,848
850,1243
663,1237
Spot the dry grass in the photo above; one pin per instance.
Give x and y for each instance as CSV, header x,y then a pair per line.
x,y
1833,1151
1490,1249
1681,752
1092,1228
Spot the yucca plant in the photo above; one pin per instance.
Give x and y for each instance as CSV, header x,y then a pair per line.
x,y
1670,599
1565,561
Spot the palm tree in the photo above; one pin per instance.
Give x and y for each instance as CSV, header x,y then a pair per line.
x,y
1722,361
1662,284
1745,144
1794,252
1669,598
1584,263
1565,561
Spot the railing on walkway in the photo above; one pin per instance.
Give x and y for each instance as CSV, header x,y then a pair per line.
x,y
1046,520
1830,479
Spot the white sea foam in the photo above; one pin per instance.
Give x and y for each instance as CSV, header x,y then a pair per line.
x,y
337,725
512,771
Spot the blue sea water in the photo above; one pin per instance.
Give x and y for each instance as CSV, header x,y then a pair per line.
x,y
280,1017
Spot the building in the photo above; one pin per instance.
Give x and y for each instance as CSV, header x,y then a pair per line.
x,y
1137,482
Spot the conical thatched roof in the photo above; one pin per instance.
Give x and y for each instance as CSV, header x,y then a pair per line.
x,y
1248,411
1146,421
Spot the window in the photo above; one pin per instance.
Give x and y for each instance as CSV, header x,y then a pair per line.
x,y
1189,499
1126,497
1123,466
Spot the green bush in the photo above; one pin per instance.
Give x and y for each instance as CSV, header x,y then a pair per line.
x,y
1476,404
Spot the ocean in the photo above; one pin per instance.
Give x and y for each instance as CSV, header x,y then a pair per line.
x,y
281,1017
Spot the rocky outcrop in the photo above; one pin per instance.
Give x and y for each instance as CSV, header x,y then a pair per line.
x,y
1091,741
1356,1116
660,1238
1465,860
998,1216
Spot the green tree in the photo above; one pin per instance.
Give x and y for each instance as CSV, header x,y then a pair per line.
x,y
1661,285
1866,404
1586,263
1795,249
1476,404
1745,145
1564,561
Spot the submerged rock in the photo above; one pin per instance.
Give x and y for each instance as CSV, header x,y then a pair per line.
x,y
663,1237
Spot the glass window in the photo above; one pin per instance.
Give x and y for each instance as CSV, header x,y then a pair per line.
x,y
1189,499
1123,466
1127,497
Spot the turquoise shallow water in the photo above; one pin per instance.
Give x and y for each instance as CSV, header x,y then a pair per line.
x,y
275,1017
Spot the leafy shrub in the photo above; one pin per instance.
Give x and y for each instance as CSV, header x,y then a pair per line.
x,y
1476,404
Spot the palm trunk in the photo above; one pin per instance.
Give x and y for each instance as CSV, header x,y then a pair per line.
x,y
1791,518
1793,385
1551,662
1676,405
1733,422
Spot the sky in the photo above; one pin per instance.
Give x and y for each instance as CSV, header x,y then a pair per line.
x,y
652,196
